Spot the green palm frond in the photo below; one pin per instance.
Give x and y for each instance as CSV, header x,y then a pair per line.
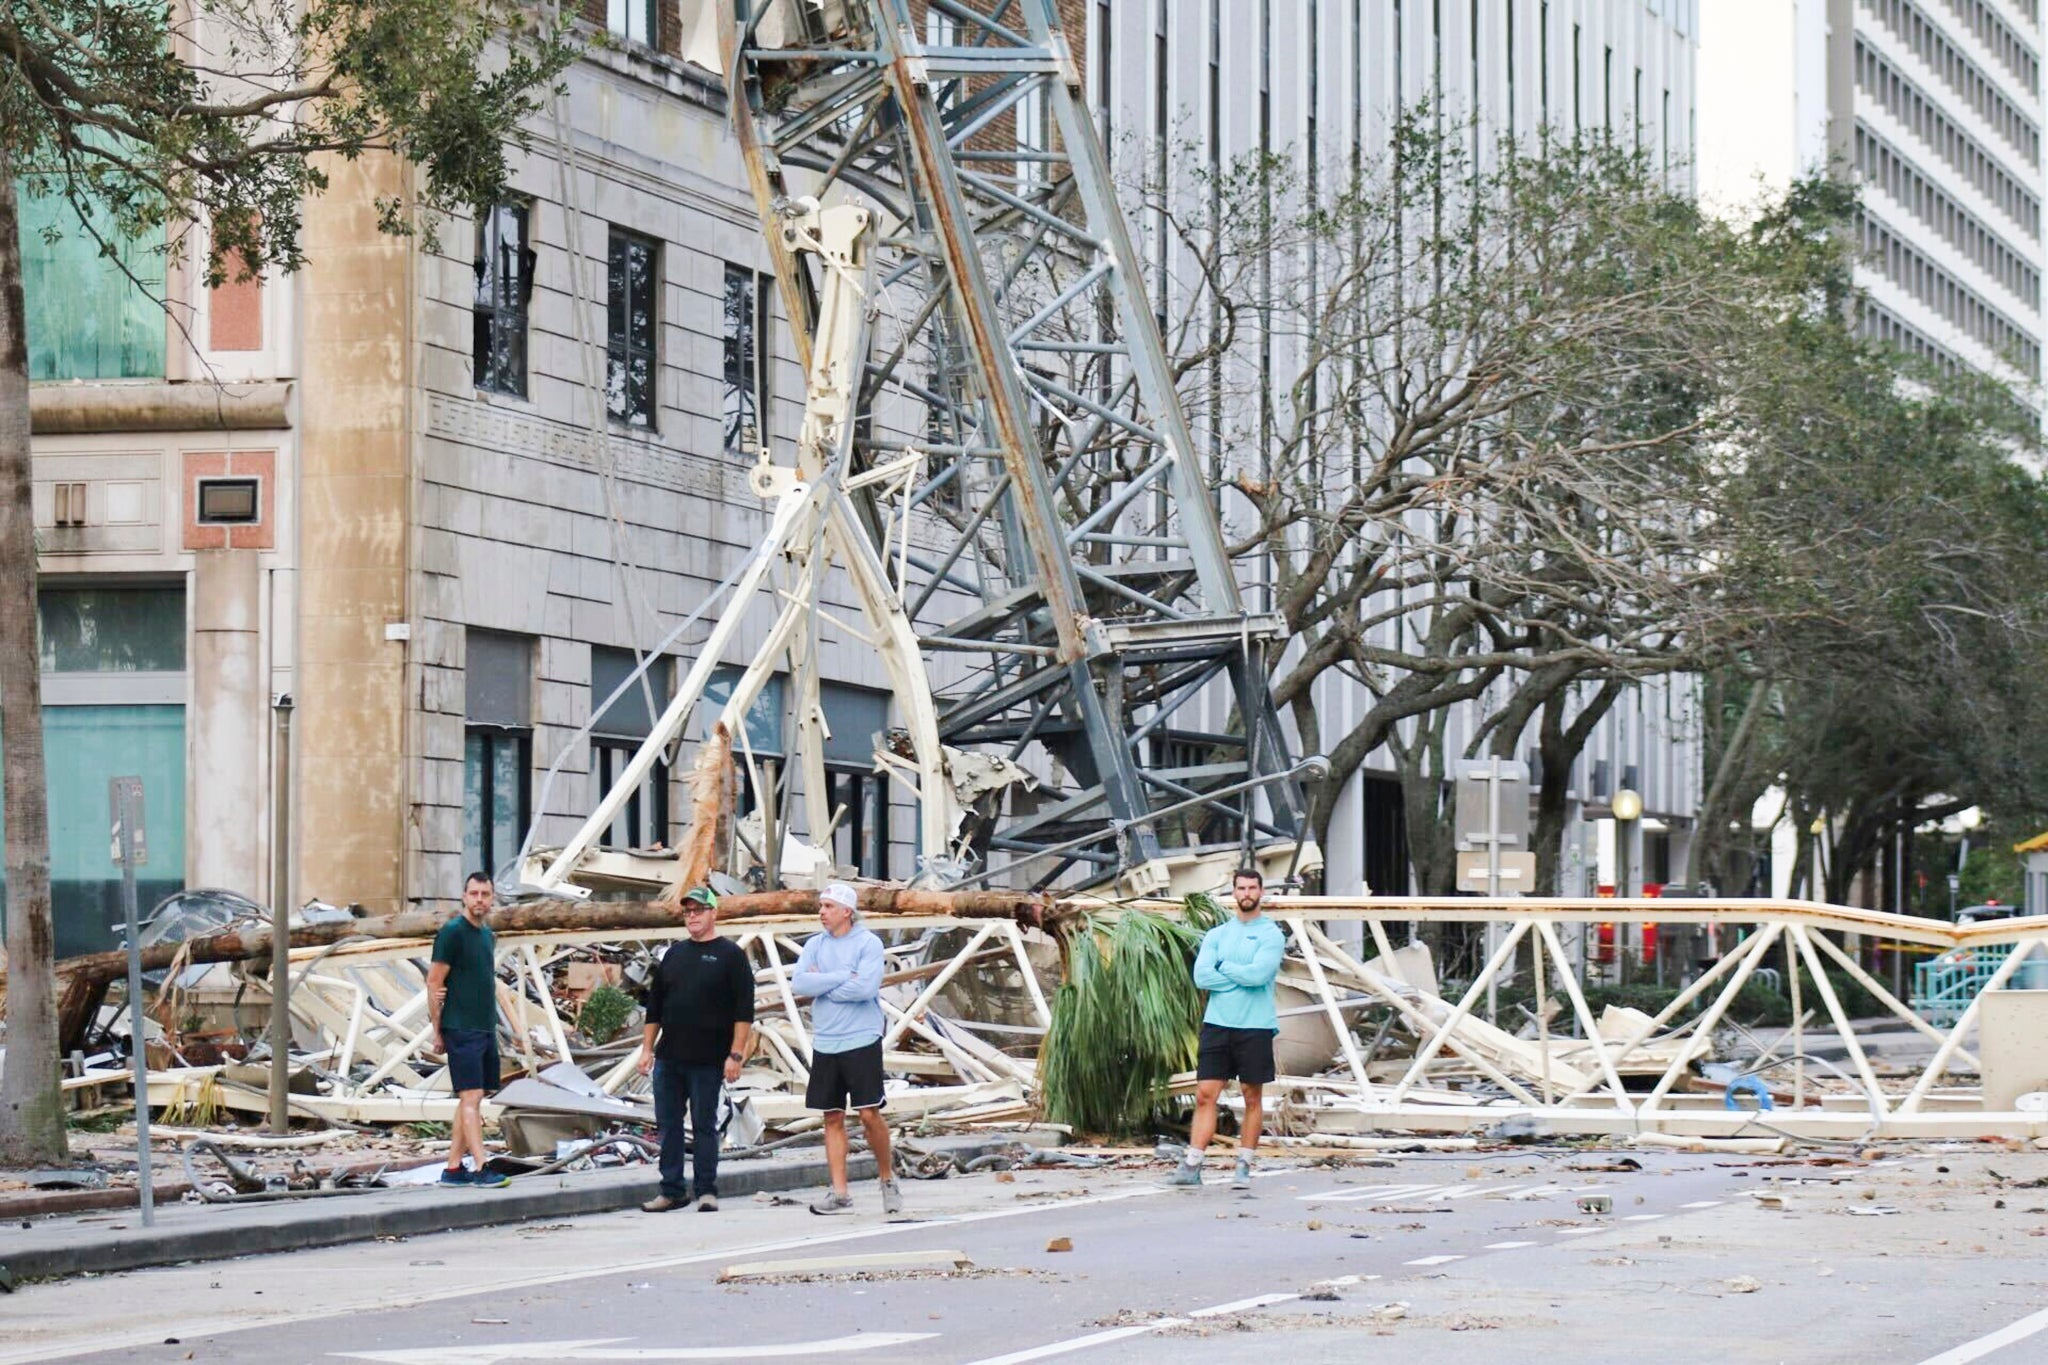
x,y
1125,1019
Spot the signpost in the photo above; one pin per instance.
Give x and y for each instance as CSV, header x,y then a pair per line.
x,y
131,850
1493,814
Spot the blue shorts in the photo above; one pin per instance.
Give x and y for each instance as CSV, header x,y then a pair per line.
x,y
472,1059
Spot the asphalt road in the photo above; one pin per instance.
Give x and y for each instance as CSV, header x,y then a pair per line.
x,y
1433,1259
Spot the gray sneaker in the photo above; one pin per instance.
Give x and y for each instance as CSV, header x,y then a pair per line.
x,y
1185,1174
832,1202
707,1203
892,1197
1241,1178
661,1203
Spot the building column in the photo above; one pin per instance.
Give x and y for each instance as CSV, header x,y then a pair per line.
x,y
228,784
349,769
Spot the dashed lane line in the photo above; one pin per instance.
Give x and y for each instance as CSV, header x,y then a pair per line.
x,y
1433,1260
1993,1341
1507,1246
1113,1334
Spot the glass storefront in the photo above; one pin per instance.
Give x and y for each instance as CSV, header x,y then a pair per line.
x,y
113,692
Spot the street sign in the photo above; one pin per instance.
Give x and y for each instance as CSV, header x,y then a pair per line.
x,y
132,787
1482,817
1517,873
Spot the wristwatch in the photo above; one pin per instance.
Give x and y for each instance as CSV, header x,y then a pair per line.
x,y
735,1056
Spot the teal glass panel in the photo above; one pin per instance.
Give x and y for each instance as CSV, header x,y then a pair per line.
x,y
87,746
508,779
83,748
86,318
475,774
764,717
112,630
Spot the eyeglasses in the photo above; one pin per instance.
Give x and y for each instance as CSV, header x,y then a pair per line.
x,y
698,908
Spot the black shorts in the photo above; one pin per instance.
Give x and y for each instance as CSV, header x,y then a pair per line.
x,y
1241,1054
472,1059
846,1080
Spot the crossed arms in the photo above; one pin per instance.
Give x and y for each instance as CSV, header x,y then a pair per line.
x,y
1214,973
864,982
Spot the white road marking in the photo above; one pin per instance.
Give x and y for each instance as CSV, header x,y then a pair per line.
x,y
1473,1191
223,1326
1507,1246
1060,1348
1369,1192
1072,1344
1434,1260
1703,1204
1578,1232
603,1348
1242,1305
1642,1218
1343,1281
1985,1345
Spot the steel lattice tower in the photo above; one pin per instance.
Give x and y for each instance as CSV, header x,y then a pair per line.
x,y
1081,582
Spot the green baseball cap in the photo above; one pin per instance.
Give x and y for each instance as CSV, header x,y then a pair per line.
x,y
702,895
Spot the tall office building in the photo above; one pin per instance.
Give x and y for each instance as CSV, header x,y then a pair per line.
x,y
1322,81
1935,107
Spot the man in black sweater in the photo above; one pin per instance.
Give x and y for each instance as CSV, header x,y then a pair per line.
x,y
700,1018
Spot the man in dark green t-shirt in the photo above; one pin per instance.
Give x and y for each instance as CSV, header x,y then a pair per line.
x,y
462,999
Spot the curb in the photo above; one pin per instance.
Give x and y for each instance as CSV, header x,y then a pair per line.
x,y
214,1233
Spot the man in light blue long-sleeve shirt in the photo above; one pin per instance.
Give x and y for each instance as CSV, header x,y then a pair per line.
x,y
841,971
1237,964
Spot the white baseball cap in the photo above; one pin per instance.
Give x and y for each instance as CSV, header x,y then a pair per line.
x,y
839,893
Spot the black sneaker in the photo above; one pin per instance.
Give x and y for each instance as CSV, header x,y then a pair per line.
x,y
456,1177
489,1180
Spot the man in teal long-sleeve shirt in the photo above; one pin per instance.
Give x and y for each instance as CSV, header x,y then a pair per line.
x,y
1237,964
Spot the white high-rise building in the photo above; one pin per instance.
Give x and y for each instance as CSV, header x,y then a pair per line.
x,y
1323,80
1935,107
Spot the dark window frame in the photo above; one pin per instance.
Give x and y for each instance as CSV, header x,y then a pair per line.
x,y
485,854
745,310
631,335
642,827
619,16
504,294
203,517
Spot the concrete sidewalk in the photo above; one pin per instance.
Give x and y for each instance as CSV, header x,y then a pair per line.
x,y
100,1243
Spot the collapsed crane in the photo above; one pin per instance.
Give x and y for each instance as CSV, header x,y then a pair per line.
x,y
994,454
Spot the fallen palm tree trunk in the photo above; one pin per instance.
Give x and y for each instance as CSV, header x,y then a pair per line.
x,y
83,980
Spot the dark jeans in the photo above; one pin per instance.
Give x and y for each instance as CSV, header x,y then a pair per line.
x,y
693,1088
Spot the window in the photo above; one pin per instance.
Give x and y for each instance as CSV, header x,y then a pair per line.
x,y
616,737
856,795
112,630
629,331
764,717
229,502
114,686
504,285
746,360
633,20
89,317
497,756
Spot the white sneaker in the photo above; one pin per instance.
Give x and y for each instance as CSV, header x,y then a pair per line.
x,y
1241,1178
